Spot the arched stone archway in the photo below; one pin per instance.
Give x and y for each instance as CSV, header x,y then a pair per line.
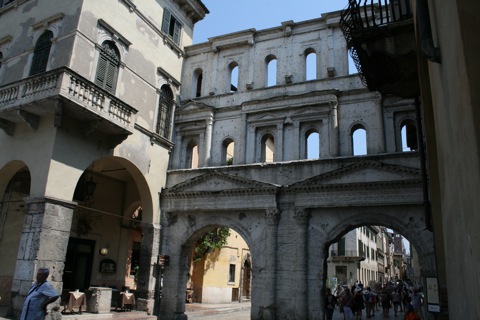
x,y
290,213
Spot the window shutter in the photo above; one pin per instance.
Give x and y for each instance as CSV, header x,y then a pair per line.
x,y
101,69
176,32
107,69
166,20
41,53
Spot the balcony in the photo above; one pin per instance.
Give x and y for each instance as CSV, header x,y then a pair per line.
x,y
347,256
66,94
381,40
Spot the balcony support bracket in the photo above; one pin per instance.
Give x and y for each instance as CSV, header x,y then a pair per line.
x,y
7,126
30,119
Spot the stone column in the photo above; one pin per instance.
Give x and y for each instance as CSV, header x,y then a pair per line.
x,y
208,140
279,143
334,131
148,272
44,240
269,303
301,217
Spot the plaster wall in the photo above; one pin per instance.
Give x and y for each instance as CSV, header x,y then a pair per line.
x,y
455,118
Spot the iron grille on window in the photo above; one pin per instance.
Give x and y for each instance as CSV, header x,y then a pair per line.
x,y
107,69
41,53
165,108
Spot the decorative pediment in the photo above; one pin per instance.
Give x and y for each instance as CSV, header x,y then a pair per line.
x,y
267,117
219,182
192,106
364,172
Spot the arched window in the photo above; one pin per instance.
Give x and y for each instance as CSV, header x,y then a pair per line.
x,y
41,53
197,83
268,148
165,109
107,68
312,147
228,150
409,136
310,64
271,72
359,140
233,78
191,159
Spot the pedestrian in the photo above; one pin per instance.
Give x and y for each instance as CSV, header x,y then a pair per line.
x,y
410,313
369,301
39,296
359,303
346,303
386,302
395,301
330,302
417,302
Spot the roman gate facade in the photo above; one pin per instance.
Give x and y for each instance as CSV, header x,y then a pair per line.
x,y
242,139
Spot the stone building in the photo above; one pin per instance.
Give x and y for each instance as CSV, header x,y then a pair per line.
x,y
432,52
87,94
223,275
287,208
355,258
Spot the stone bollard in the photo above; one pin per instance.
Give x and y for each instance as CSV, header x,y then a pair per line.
x,y
101,300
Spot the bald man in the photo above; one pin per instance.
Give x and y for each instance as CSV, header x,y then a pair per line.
x,y
39,296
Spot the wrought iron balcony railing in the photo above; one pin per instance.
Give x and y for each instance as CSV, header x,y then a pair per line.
x,y
380,37
77,93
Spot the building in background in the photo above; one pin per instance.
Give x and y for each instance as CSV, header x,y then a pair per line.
x,y
87,95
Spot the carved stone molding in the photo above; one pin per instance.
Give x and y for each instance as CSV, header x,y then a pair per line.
x,y
272,216
301,216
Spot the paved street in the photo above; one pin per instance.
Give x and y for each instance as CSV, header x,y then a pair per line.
x,y
242,312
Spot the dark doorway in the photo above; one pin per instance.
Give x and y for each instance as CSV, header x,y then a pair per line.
x,y
78,264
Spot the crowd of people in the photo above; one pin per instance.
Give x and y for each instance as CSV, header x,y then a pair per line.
x,y
405,300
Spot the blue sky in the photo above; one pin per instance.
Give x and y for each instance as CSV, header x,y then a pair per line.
x,y
227,16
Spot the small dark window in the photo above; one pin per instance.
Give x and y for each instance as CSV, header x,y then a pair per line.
x,y
231,273
41,53
1,58
165,108
107,68
171,26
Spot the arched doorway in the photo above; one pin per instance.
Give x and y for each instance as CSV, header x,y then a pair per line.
x,y
14,187
111,232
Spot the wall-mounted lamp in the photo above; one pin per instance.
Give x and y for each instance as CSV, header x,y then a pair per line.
x,y
103,251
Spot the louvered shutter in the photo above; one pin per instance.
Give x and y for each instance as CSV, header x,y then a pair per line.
x,y
107,69
166,21
41,53
176,32
101,69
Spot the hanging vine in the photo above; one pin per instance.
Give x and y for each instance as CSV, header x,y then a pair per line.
x,y
214,239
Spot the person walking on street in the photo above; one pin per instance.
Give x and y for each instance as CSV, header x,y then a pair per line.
x,y
395,301
330,302
347,304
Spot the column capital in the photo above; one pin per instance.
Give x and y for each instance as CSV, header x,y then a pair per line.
x,y
301,215
273,216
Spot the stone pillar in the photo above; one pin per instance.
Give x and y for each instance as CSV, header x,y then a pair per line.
x,y
334,131
301,304
148,272
208,140
269,303
240,152
278,156
101,300
44,240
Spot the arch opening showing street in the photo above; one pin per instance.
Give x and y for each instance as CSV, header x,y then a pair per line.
x,y
149,173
